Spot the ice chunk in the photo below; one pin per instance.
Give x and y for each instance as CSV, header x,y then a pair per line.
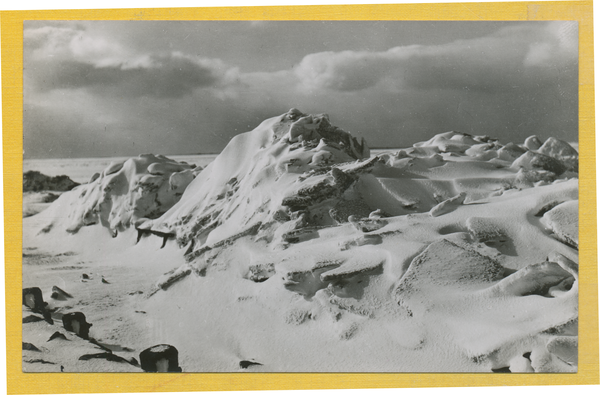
x,y
563,220
448,205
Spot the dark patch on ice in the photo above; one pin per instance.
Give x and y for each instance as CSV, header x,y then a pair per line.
x,y
547,207
100,345
110,347
32,318
453,228
570,328
57,335
247,364
504,246
30,347
261,272
504,369
105,355
300,235
566,241
40,361
508,271
164,235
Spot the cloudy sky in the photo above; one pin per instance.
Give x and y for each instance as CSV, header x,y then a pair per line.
x,y
128,87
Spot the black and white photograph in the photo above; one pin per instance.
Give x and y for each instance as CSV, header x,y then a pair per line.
x,y
300,196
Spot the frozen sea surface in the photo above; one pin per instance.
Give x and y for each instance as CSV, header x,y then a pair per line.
x,y
82,169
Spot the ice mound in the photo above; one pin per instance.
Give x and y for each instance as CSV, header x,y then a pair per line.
x,y
292,169
124,194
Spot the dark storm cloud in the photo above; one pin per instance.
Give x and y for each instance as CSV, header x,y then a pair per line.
x,y
166,76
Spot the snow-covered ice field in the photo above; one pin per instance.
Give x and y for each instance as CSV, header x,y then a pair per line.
x,y
298,249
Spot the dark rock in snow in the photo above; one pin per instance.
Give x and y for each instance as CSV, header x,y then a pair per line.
x,y
32,298
76,323
160,358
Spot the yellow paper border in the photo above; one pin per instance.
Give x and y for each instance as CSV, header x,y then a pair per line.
x,y
12,94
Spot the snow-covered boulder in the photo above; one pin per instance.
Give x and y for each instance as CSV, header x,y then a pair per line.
x,y
562,151
535,161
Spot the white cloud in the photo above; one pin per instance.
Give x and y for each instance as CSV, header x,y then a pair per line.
x,y
488,63
343,71
560,45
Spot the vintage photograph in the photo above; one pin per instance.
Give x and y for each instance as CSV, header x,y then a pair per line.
x,y
300,196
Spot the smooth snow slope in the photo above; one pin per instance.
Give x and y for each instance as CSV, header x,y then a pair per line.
x,y
296,249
